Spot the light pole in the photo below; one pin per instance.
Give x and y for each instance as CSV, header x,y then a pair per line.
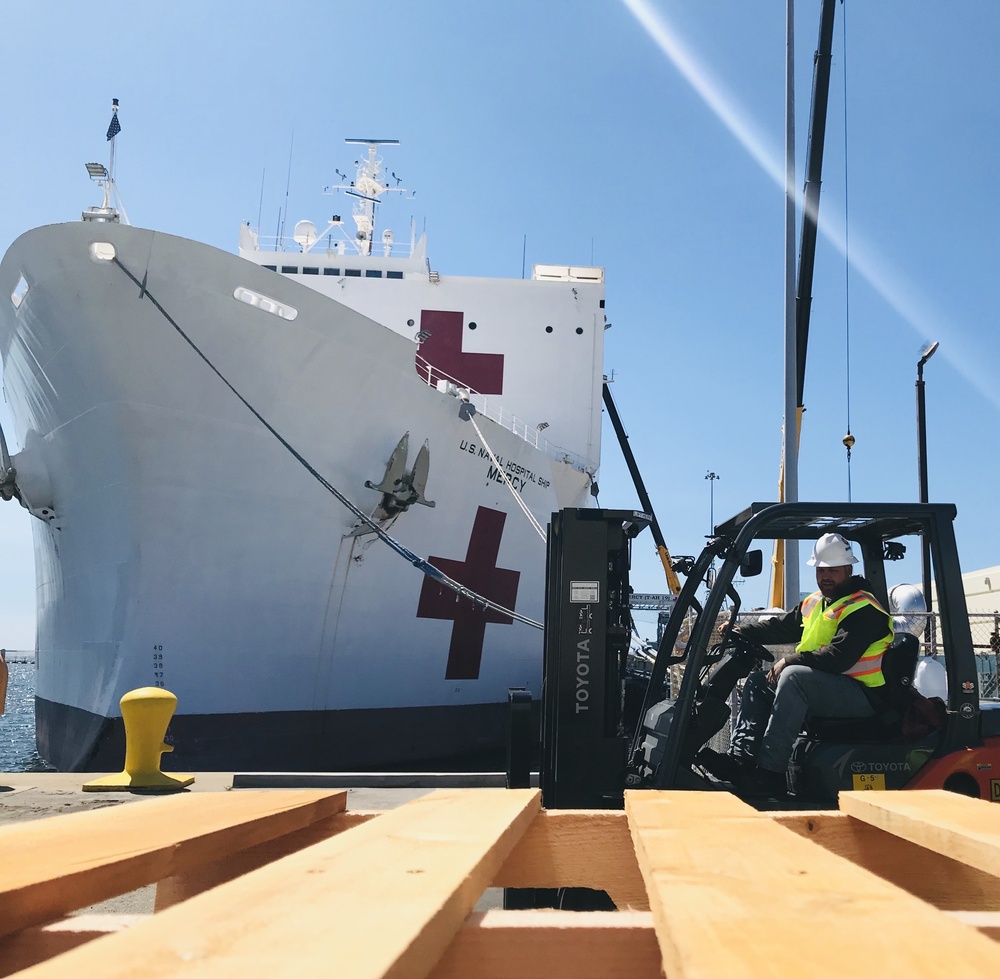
x,y
711,477
925,550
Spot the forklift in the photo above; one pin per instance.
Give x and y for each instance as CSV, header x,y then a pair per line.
x,y
610,723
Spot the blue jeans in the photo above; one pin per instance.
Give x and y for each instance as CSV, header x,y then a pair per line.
x,y
769,720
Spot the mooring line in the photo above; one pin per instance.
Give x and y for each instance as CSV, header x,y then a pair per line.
x,y
418,562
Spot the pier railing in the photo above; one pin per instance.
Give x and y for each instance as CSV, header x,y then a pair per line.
x,y
985,629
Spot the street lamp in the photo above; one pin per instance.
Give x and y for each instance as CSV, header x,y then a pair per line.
x,y
928,352
712,477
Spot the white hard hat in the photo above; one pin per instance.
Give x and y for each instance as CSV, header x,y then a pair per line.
x,y
832,551
904,601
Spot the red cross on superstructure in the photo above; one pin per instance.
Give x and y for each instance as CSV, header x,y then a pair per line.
x,y
443,351
478,572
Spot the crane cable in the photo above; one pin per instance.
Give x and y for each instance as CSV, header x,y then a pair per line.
x,y
425,566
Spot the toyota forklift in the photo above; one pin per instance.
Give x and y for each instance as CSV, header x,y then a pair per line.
x,y
611,721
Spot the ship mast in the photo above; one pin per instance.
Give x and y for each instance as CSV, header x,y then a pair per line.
x,y
367,188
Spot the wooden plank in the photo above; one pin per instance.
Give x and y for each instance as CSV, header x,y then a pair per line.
x,y
733,893
955,825
578,848
385,899
173,890
553,944
33,945
56,865
987,922
946,883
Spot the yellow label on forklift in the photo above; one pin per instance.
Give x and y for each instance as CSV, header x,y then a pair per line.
x,y
870,782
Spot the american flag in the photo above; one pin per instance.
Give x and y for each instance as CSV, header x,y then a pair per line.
x,y
115,126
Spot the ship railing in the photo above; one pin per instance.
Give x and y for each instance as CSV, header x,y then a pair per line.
x,y
338,246
436,378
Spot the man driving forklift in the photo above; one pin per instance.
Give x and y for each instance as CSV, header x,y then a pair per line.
x,y
841,632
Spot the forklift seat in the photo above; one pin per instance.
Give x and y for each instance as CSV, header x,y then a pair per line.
x,y
899,662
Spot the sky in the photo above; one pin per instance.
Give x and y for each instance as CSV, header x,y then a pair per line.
x,y
644,136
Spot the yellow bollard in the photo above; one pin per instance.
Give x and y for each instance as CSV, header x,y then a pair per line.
x,y
146,713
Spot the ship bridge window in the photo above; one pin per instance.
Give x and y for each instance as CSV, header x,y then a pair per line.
x,y
270,268
266,303
373,273
331,271
353,272
20,291
394,274
310,270
290,269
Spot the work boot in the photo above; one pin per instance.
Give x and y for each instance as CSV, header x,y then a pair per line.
x,y
723,766
761,783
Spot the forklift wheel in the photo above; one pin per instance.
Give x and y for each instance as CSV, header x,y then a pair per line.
x,y
963,784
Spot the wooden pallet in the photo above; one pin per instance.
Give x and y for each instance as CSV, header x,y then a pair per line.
x,y
288,883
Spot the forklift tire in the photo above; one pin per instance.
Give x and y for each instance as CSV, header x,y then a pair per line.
x,y
963,784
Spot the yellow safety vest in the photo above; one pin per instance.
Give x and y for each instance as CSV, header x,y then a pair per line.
x,y
820,625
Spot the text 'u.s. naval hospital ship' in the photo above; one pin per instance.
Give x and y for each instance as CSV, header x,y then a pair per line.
x,y
303,488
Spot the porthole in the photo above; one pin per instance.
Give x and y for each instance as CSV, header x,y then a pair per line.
x,y
548,329
472,326
579,330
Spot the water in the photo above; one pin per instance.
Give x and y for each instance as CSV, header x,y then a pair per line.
x,y
17,725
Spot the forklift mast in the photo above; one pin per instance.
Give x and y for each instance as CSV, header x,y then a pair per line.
x,y
587,633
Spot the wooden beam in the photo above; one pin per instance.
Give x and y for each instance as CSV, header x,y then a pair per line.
x,y
173,890
946,883
57,865
733,893
955,825
33,945
548,944
384,900
578,848
986,922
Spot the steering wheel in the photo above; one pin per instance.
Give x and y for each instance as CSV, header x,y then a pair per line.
x,y
742,644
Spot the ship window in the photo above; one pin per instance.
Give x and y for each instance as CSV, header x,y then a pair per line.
x,y
579,330
271,268
20,291
293,269
331,271
373,273
548,329
353,272
265,303
310,270
396,274
102,251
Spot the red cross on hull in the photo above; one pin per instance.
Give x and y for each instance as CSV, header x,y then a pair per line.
x,y
480,573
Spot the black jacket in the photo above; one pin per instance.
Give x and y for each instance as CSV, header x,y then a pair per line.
x,y
856,633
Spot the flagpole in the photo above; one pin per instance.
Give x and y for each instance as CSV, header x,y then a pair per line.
x,y
113,129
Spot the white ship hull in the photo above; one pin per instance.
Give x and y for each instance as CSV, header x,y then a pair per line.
x,y
181,544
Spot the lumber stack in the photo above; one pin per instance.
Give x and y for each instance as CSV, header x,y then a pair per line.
x,y
288,882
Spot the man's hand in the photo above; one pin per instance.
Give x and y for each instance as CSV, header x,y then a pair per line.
x,y
775,672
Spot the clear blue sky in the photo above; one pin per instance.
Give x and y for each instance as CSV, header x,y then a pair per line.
x,y
566,121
